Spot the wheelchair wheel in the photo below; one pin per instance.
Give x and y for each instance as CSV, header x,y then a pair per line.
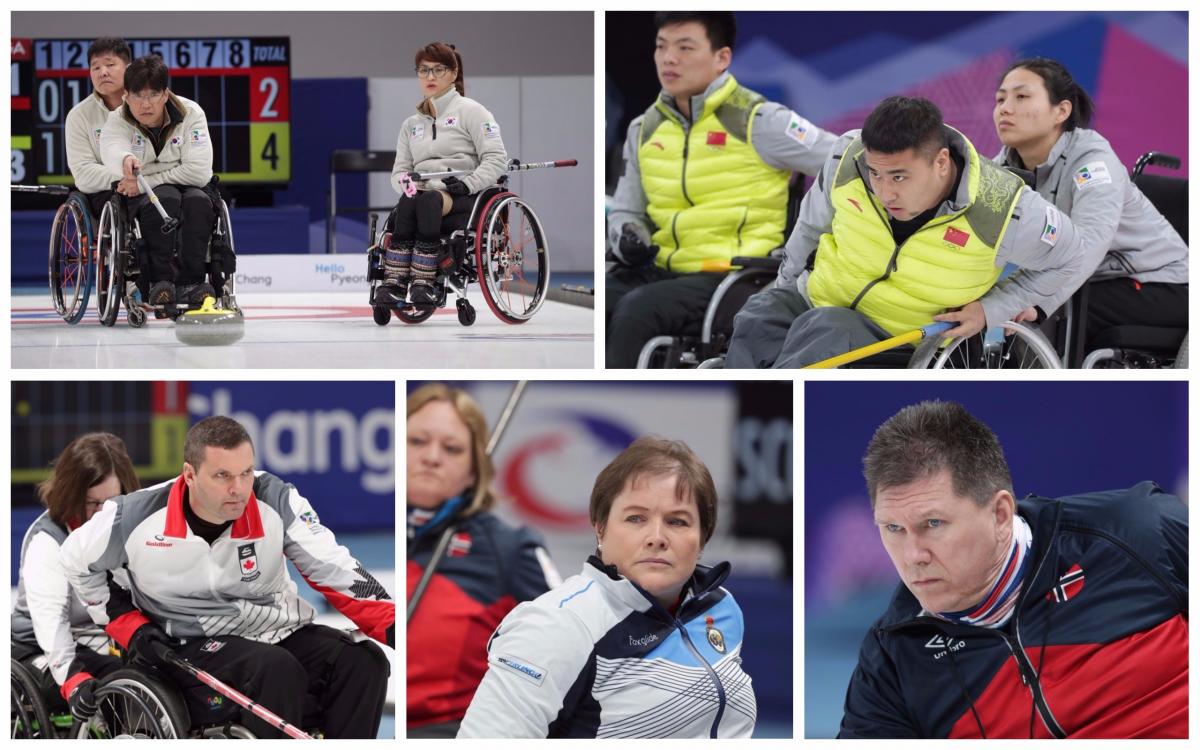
x,y
412,315
511,258
381,314
110,263
1025,349
71,264
133,704
29,715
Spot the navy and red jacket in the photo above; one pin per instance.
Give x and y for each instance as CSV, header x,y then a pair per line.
x,y
488,569
1097,647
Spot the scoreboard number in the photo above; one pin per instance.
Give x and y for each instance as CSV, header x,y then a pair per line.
x,y
242,83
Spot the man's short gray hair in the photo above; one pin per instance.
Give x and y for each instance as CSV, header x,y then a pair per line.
x,y
922,439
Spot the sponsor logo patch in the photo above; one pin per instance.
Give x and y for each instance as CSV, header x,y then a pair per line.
x,y
799,129
531,672
856,204
1092,173
248,562
416,132
212,646
716,638
490,129
1053,222
645,640
944,645
198,136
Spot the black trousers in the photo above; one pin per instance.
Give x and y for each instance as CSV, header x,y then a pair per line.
x,y
641,303
194,209
96,664
1127,302
97,201
316,677
420,217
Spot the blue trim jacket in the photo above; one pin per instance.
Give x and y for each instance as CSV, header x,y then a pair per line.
x,y
599,657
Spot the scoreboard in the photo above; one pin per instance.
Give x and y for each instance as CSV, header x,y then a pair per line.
x,y
243,84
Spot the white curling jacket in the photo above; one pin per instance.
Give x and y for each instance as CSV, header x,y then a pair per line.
x,y
463,135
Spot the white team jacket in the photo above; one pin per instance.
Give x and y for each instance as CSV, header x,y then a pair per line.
x,y
598,657
238,586
186,156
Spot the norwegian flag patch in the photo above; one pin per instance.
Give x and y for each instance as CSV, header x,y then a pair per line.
x,y
956,236
460,544
1069,585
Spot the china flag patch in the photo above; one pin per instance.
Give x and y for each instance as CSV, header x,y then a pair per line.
x,y
716,138
1068,586
956,236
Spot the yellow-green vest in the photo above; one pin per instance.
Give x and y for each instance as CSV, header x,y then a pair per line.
x,y
946,263
709,194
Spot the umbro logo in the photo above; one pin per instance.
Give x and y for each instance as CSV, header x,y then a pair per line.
x,y
944,645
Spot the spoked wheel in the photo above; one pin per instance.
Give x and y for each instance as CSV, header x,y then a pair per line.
x,y
511,259
30,717
1021,348
110,264
71,266
136,705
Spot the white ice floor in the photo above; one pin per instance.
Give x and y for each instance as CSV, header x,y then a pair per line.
x,y
333,330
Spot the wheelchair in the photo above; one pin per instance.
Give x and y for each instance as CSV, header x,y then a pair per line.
x,y
749,277
500,244
122,260
1132,346
37,711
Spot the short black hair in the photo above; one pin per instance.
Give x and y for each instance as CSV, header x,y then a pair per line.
x,y
923,439
110,45
900,123
213,432
1060,86
720,27
148,72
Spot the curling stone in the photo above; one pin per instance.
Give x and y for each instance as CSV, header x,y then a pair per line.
x,y
210,325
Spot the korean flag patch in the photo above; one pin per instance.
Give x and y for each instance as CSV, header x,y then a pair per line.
x,y
1092,173
450,121
1053,222
799,129
490,129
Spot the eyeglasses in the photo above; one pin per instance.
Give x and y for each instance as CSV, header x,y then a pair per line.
x,y
437,71
144,97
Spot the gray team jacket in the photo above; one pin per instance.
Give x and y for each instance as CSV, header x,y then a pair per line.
x,y
463,135
238,585
1040,241
85,122
1121,232
771,137
47,612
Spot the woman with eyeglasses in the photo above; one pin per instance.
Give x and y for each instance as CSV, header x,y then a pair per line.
x,y
48,618
449,132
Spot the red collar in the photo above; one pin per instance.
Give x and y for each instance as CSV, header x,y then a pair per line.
x,y
247,526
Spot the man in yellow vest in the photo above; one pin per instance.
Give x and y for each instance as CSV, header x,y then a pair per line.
x,y
706,179
906,225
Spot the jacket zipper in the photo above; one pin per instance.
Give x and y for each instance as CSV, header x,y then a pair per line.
x,y
434,129
712,673
687,132
745,216
893,262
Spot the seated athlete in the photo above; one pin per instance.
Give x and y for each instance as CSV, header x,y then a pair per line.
x,y
706,179
906,225
1137,261
107,59
165,136
448,132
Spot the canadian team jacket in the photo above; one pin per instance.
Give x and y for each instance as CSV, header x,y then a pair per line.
x,y
237,586
488,569
1097,647
599,657
47,613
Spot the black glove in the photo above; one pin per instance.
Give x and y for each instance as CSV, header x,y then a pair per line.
x,y
391,635
83,700
456,187
632,251
150,645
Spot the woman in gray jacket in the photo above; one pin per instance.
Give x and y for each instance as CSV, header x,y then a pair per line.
x,y
449,132
1138,262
